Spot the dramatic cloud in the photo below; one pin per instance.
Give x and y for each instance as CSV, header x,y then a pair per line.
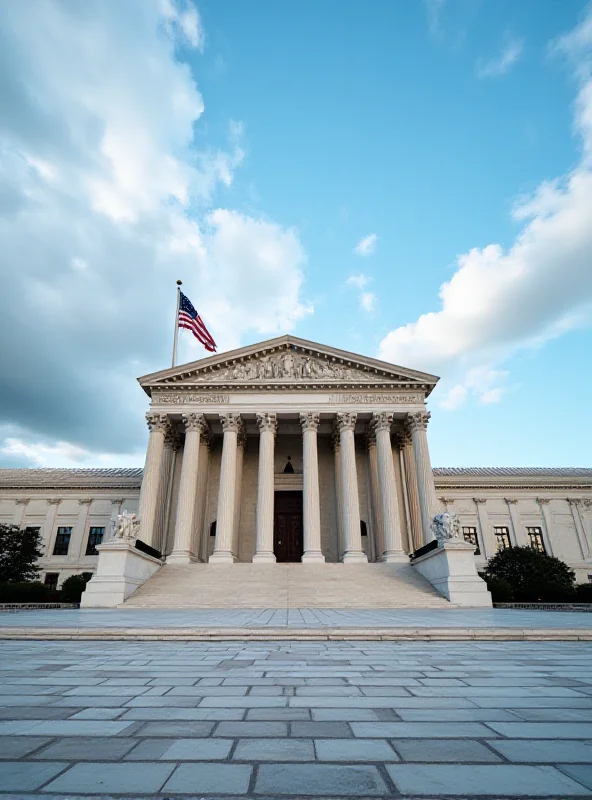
x,y
367,245
502,63
108,193
498,301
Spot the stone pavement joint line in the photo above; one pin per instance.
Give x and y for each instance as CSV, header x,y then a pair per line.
x,y
285,719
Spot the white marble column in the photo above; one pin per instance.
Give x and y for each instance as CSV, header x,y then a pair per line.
x,y
241,444
77,547
417,424
21,505
387,489
375,495
415,520
354,554
227,491
264,554
202,534
336,445
547,526
311,498
49,524
519,534
574,507
172,444
151,480
487,535
183,545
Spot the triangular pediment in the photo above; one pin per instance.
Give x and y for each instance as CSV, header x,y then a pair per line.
x,y
287,362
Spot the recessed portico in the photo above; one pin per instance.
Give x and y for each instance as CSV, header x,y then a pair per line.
x,y
229,433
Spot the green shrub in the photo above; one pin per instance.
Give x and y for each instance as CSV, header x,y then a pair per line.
x,y
21,592
501,591
533,576
19,553
73,587
583,593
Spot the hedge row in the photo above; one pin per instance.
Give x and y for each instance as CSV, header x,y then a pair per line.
x,y
36,592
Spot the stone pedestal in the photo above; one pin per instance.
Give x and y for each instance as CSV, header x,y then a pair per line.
x,y
450,568
121,570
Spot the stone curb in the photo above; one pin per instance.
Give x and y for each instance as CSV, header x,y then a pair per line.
x,y
302,634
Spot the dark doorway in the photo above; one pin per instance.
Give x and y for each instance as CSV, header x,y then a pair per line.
x,y
287,526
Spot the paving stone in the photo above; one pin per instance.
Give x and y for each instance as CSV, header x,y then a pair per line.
x,y
176,729
204,691
75,727
354,750
274,750
242,702
209,778
165,702
543,730
27,700
443,750
183,714
416,730
343,714
86,748
14,713
181,750
95,702
553,714
337,730
319,780
456,715
288,714
581,773
97,713
133,778
17,746
328,691
23,776
475,779
543,751
257,729
381,702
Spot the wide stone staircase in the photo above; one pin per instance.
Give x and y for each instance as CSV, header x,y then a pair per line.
x,y
287,586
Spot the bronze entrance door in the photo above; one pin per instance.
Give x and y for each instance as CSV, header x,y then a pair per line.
x,y
287,526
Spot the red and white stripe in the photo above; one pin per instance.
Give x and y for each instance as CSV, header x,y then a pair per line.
x,y
198,329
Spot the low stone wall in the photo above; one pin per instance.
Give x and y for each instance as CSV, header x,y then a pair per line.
x,y
546,606
35,606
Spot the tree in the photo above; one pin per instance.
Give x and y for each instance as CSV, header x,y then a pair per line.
x,y
533,576
19,552
73,587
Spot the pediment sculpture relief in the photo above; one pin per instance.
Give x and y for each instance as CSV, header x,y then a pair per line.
x,y
286,366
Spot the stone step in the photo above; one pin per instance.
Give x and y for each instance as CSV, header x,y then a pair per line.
x,y
287,586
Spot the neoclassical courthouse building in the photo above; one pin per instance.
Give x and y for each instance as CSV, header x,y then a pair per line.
x,y
291,451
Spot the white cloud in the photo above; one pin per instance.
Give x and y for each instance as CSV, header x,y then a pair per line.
x,y
498,301
367,245
368,301
454,397
63,454
108,193
359,281
502,63
434,10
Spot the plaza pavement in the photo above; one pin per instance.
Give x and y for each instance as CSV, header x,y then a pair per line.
x,y
274,720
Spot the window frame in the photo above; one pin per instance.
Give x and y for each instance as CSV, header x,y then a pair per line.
x,y
50,584
471,530
68,528
537,531
92,545
502,531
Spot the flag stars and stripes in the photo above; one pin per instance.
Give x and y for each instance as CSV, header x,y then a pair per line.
x,y
191,321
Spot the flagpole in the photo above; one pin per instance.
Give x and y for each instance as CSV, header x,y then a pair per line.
x,y
176,336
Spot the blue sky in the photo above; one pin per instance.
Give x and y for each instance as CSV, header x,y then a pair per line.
x,y
408,180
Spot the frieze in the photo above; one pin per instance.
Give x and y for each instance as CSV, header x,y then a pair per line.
x,y
376,398
182,399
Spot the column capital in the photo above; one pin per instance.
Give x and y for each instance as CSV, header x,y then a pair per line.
x,y
542,501
194,422
230,422
22,501
479,500
381,421
371,437
346,420
446,500
400,439
267,421
310,420
510,500
172,438
242,437
335,440
418,421
157,422
84,502
54,501
117,502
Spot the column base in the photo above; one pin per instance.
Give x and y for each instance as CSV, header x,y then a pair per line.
x,y
222,557
181,557
394,557
355,557
265,557
313,557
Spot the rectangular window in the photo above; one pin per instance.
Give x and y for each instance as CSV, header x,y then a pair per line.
x,y
502,537
95,537
62,542
51,580
535,536
470,535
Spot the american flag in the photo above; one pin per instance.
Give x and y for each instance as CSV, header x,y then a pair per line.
x,y
190,319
